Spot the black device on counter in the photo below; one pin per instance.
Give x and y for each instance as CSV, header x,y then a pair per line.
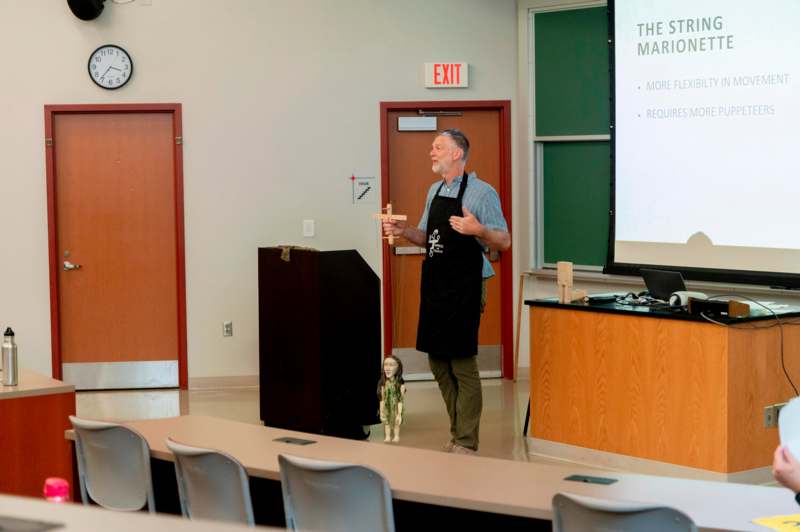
x,y
601,299
662,283
590,479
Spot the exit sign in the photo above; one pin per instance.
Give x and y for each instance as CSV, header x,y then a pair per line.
x,y
446,75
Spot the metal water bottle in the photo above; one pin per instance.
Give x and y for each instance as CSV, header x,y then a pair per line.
x,y
9,350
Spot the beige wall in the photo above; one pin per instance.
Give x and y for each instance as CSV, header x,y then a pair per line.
x,y
280,102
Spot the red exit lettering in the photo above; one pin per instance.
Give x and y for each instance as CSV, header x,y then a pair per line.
x,y
447,73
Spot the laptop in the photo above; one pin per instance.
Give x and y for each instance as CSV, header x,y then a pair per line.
x,y
662,283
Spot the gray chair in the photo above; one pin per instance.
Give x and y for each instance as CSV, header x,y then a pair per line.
x,y
113,465
579,513
331,496
211,484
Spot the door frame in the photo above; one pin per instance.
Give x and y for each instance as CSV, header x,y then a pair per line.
x,y
506,284
50,113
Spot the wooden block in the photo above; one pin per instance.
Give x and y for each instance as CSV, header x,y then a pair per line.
x,y
564,270
564,280
578,295
737,309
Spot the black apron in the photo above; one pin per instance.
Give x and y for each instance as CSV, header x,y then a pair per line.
x,y
450,291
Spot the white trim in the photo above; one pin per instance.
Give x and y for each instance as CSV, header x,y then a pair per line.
x,y
558,5
575,267
526,55
571,138
588,276
416,377
220,383
537,217
631,464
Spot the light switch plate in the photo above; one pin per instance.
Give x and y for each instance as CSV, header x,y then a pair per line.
x,y
308,228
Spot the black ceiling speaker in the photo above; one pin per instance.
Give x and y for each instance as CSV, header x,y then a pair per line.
x,y
86,9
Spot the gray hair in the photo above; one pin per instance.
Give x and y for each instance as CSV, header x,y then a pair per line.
x,y
459,138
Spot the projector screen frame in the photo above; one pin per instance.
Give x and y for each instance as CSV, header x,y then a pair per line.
x,y
771,279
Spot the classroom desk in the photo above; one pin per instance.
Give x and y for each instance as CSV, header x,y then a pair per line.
x,y
33,417
659,385
487,487
80,518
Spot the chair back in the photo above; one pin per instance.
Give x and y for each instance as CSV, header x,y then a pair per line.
x,y
320,495
113,465
578,513
211,484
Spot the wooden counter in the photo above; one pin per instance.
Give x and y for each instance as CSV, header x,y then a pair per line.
x,y
33,417
679,391
470,482
32,384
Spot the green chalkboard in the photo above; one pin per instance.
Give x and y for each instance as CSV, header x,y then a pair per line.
x,y
572,90
571,72
577,196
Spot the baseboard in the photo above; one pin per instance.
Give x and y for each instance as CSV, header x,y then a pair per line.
x,y
216,383
629,464
487,374
416,367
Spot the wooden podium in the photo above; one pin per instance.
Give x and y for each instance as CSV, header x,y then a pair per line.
x,y
319,341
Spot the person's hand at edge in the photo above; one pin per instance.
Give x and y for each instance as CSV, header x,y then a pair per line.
x,y
786,468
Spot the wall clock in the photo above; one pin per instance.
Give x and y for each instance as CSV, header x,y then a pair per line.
x,y
110,66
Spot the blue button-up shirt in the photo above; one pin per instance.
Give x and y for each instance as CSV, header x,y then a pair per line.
x,y
480,198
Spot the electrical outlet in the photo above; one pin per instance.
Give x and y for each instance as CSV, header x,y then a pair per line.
x,y
308,228
772,414
770,417
777,408
227,328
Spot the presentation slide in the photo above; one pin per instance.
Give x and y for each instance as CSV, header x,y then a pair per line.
x,y
707,134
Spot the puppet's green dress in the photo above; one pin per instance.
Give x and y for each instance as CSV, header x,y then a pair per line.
x,y
392,397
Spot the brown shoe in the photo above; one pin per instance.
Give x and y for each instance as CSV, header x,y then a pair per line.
x,y
458,449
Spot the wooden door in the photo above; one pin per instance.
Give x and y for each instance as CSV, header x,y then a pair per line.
x,y
117,253
409,178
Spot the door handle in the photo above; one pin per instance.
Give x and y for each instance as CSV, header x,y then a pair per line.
x,y
69,266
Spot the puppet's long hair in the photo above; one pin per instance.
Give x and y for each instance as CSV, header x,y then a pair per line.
x,y
398,376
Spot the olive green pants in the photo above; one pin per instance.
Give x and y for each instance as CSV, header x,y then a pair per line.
x,y
460,385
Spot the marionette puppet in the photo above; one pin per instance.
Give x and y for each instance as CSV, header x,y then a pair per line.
x,y
389,216
391,389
